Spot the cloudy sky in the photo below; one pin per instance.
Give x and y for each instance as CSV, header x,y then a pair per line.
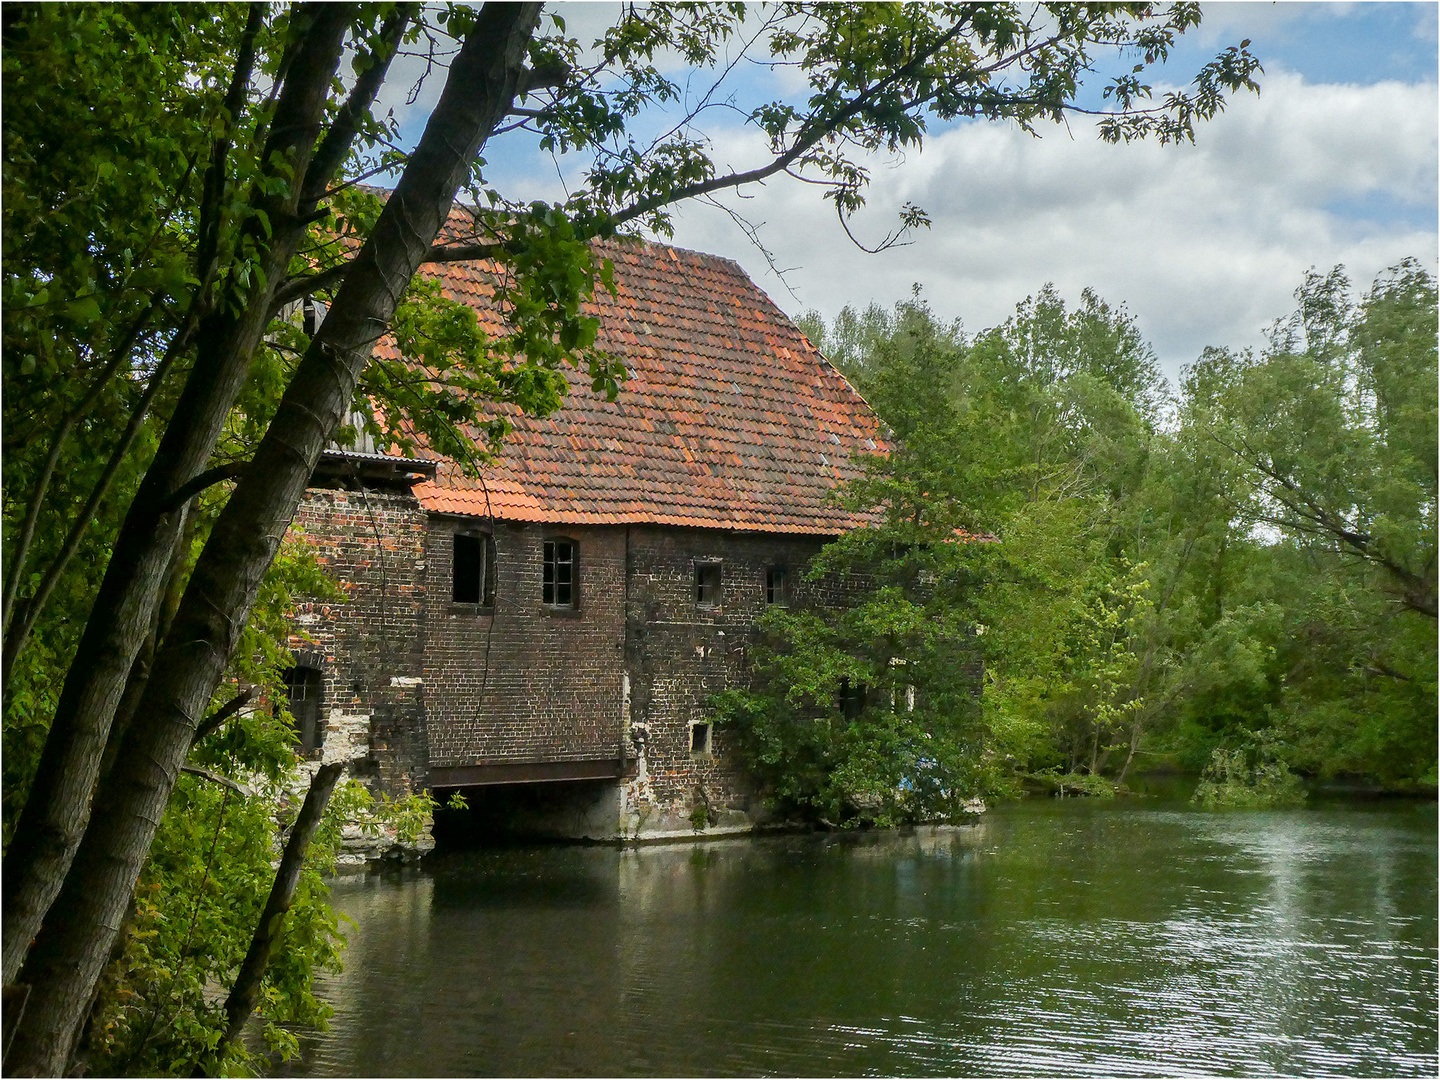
x,y
1335,161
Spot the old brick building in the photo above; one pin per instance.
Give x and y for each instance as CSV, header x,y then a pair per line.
x,y
552,629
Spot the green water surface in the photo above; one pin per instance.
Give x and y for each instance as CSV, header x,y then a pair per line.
x,y
1055,938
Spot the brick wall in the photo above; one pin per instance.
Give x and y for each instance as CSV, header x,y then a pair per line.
x,y
521,682
680,652
414,680
368,647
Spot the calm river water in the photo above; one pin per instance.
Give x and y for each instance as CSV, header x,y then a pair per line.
x,y
1073,937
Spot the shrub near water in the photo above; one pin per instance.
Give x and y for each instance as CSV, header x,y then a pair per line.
x,y
1250,777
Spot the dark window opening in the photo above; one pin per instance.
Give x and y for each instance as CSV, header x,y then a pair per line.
x,y
558,582
312,313
302,693
474,570
776,592
852,698
707,584
700,738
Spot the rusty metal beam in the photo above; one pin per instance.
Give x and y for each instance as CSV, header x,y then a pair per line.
x,y
530,772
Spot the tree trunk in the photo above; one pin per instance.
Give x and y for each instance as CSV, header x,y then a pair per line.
x,y
241,1002
56,810
1135,731
75,938
144,660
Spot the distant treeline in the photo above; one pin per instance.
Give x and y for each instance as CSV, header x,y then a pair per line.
x,y
1235,575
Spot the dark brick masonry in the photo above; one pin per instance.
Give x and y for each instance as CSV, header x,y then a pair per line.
x,y
369,648
422,691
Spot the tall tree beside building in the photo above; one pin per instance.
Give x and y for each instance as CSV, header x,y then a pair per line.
x,y
1252,573
1329,436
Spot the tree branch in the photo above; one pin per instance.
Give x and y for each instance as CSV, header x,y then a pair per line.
x,y
337,142
213,190
231,470
212,722
246,989
20,549
215,778
301,287
15,637
1417,590
447,253
809,134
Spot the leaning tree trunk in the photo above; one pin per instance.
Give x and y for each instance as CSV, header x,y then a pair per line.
x,y
68,954
246,991
56,810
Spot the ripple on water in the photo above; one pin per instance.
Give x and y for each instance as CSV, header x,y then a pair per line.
x,y
1078,941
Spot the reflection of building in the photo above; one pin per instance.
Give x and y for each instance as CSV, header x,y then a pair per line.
x,y
562,619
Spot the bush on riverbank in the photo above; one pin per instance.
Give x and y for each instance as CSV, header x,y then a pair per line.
x,y
1248,777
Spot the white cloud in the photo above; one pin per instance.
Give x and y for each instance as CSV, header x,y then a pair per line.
x,y
1258,21
1205,244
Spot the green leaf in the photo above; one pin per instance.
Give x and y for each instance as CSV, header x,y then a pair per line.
x,y
84,311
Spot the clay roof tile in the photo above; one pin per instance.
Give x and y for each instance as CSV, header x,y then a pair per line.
x,y
730,418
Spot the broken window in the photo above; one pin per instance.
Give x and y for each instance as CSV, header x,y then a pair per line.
x,y
558,584
700,738
851,698
707,584
473,566
302,693
776,592
902,697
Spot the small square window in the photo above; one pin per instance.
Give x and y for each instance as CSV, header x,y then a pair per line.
x,y
700,738
707,584
776,587
473,570
559,578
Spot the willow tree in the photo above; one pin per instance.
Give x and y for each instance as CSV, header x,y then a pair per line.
x,y
1329,435
211,185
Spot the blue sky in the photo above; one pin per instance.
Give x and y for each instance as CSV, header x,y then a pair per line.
x,y
1334,162
1361,43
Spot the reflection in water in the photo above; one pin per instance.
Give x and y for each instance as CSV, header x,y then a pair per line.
x,y
1065,937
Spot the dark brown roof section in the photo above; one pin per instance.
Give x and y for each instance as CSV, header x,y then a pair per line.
x,y
729,418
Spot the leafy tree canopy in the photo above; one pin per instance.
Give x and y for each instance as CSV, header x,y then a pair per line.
x,y
1239,578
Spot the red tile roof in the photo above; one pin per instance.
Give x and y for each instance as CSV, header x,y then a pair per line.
x,y
729,418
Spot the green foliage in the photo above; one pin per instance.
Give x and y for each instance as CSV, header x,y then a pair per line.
x,y
699,813
1006,506
1252,560
1327,440
212,866
138,203
870,712
1335,427
1251,776
195,910
1073,783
